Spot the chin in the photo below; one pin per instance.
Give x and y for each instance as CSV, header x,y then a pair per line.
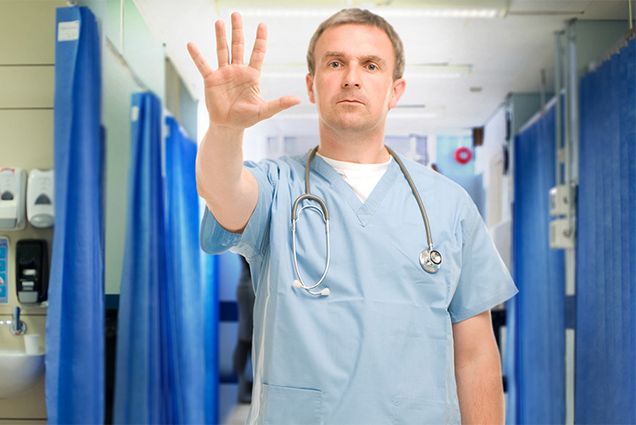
x,y
350,123
357,126
353,123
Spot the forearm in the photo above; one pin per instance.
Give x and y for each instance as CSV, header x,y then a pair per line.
x,y
480,391
219,161
229,190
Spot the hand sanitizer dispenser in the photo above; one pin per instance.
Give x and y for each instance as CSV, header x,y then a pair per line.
x,y
12,193
40,210
31,270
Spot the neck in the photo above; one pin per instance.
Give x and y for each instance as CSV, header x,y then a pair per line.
x,y
353,146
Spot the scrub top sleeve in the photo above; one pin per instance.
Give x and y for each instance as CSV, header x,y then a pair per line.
x,y
215,239
484,280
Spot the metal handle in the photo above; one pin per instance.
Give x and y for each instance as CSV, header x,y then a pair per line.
x,y
18,327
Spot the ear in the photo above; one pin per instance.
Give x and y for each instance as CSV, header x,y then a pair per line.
x,y
309,80
399,86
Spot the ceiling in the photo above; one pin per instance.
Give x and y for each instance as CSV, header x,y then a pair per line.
x,y
495,56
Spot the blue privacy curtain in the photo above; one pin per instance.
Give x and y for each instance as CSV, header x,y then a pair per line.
x,y
162,375
606,252
535,356
211,330
191,305
75,319
141,391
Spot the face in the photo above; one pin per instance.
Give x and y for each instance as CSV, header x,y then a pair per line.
x,y
353,85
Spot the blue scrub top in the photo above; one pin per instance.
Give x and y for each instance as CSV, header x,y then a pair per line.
x,y
379,349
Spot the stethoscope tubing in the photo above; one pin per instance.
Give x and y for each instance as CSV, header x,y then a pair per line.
x,y
418,199
324,215
430,263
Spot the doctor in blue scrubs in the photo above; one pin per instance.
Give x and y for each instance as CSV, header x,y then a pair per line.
x,y
351,325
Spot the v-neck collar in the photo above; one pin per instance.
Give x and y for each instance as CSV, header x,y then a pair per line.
x,y
362,210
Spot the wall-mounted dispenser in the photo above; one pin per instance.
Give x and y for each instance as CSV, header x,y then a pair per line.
x,y
32,271
12,194
40,198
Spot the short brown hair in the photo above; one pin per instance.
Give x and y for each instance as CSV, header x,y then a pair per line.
x,y
363,17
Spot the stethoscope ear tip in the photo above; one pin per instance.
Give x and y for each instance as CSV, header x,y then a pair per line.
x,y
297,284
325,292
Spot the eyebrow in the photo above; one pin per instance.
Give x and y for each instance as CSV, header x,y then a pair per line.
x,y
364,58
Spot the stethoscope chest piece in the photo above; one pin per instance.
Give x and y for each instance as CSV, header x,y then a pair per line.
x,y
430,260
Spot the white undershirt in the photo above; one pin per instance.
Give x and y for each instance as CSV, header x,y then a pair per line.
x,y
361,177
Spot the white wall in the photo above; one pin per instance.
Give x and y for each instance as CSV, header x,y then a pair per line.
x,y
132,61
489,160
27,46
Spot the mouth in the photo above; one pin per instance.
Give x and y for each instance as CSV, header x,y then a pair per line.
x,y
351,102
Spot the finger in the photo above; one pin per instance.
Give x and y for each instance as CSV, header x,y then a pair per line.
x,y
237,39
222,54
199,60
258,53
273,107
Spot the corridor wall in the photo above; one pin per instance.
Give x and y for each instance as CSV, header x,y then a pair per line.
x,y
27,83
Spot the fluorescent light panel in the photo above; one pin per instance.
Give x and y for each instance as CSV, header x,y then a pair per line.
x,y
437,71
389,13
441,13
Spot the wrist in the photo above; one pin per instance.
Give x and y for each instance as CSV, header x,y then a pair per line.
x,y
225,132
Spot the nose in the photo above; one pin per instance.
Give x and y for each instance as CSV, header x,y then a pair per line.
x,y
351,78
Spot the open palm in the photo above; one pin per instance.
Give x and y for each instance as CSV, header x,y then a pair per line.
x,y
232,92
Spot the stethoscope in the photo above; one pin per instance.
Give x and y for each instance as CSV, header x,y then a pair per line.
x,y
430,259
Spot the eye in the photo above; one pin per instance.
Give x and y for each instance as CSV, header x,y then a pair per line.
x,y
372,67
334,64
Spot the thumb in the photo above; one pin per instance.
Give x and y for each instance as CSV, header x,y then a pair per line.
x,y
273,107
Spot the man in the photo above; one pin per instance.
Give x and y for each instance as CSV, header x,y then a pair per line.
x,y
378,340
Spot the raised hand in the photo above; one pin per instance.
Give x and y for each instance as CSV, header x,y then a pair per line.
x,y
232,92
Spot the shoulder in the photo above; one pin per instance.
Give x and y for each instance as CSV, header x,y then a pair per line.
x,y
441,185
446,197
275,170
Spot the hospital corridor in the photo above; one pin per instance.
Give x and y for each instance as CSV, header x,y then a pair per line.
x,y
320,212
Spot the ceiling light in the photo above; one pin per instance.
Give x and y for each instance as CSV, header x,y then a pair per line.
x,y
478,9
386,12
440,13
437,70
286,13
